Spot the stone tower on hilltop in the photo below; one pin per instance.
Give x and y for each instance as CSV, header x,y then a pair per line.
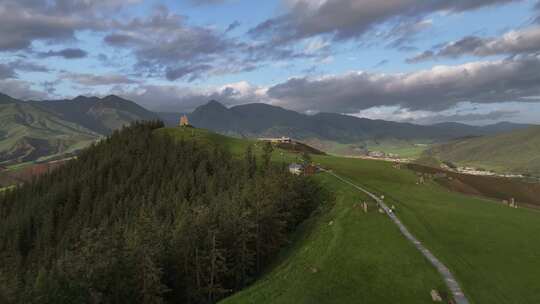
x,y
184,121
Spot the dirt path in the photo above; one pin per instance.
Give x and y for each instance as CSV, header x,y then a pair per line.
x,y
449,279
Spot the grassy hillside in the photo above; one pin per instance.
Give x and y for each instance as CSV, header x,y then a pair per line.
x,y
28,132
516,151
340,255
101,115
494,251
344,256
524,191
40,130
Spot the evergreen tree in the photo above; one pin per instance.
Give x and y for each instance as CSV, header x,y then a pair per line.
x,y
146,218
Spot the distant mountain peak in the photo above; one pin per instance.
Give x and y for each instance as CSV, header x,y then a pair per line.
x,y
112,97
215,103
4,98
82,98
212,106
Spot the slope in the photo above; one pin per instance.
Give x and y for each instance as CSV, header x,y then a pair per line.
x,y
491,249
102,115
33,130
516,151
28,133
340,255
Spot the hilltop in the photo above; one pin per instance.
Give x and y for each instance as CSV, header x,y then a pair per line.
x,y
510,152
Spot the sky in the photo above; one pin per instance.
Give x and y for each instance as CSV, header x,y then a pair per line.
x,y
419,61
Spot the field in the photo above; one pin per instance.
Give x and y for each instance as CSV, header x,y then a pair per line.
x,y
514,152
524,191
403,148
344,256
494,251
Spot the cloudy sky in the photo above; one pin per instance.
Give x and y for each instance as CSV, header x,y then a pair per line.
x,y
423,61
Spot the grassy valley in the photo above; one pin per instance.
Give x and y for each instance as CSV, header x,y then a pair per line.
x,y
514,152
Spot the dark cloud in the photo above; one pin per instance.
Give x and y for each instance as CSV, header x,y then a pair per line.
x,y
169,98
20,89
22,22
514,42
97,80
233,26
28,66
381,63
426,55
537,9
66,53
9,70
192,72
6,71
439,88
349,19
164,41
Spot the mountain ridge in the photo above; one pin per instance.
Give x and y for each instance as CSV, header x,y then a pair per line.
x,y
257,119
33,130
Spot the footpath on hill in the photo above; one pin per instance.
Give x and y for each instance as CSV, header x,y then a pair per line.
x,y
448,277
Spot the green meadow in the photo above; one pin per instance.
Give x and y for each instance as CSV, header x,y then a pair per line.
x,y
342,255
493,250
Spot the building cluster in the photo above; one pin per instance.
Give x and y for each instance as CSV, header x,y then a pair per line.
x,y
303,169
277,140
511,203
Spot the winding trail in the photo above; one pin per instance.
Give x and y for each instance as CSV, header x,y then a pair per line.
x,y
449,279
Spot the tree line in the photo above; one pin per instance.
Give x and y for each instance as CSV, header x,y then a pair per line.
x,y
147,218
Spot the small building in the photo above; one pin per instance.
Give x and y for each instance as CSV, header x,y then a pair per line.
x,y
184,121
377,154
277,140
296,169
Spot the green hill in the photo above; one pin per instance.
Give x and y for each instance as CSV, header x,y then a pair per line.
x,y
29,133
342,255
36,130
515,152
145,218
102,115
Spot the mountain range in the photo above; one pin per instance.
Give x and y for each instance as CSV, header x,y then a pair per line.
x,y
40,130
327,131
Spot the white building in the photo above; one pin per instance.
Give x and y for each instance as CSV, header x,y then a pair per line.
x,y
276,140
295,169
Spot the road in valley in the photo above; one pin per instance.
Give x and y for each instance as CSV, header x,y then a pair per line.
x,y
449,279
